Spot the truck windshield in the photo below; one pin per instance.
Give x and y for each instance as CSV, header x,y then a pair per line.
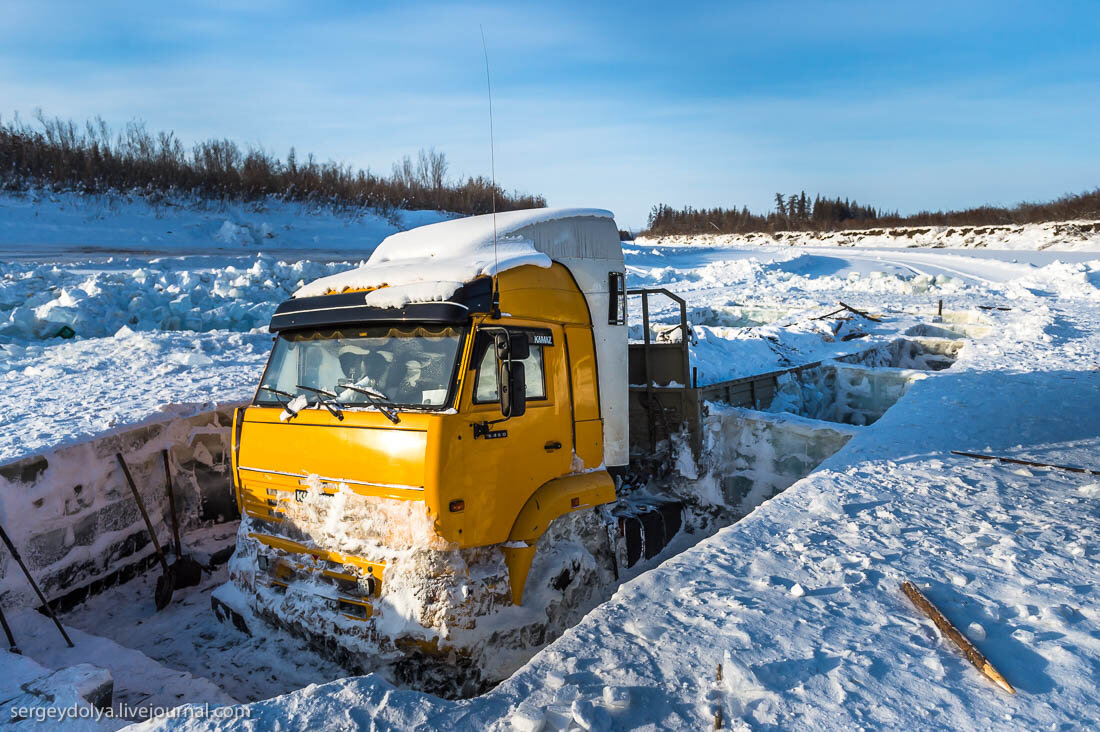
x,y
401,364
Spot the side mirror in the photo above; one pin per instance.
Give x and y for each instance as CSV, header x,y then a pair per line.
x,y
513,389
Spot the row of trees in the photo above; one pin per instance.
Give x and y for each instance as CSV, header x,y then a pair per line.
x,y
794,212
92,158
797,212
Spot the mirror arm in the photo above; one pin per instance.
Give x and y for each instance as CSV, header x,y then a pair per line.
x,y
482,429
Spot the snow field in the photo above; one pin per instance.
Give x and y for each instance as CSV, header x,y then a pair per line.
x,y
799,601
60,392
193,294
191,329
45,224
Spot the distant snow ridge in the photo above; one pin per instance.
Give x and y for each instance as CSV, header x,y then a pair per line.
x,y
40,301
1057,235
51,221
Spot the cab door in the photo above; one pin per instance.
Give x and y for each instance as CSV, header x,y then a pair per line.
x,y
509,459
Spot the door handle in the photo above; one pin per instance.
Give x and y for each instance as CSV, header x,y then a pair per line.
x,y
552,445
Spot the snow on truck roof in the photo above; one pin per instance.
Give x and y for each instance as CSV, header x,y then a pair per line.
x,y
429,263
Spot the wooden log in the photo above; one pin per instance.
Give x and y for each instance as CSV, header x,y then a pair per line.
x,y
875,318
829,315
718,711
1032,463
972,654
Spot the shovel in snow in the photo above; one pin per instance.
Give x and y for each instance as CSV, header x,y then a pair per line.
x,y
187,571
166,583
7,631
37,590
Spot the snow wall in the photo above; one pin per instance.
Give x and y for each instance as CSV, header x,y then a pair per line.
x,y
71,513
749,456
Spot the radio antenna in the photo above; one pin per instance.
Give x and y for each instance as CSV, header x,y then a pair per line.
x,y
493,170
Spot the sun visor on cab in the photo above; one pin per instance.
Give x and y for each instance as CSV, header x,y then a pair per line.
x,y
350,308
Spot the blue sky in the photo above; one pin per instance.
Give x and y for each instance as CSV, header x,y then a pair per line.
x,y
618,105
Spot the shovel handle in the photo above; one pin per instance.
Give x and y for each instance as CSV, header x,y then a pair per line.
x,y
38,590
144,513
7,631
172,505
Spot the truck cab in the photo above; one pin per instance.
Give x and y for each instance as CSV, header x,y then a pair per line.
x,y
437,408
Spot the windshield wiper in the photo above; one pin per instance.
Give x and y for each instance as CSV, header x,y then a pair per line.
x,y
373,395
331,403
285,405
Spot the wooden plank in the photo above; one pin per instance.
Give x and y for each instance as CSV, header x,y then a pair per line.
x,y
829,315
1032,463
972,654
860,312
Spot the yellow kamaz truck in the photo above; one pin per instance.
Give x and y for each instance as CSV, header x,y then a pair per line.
x,y
422,422
455,450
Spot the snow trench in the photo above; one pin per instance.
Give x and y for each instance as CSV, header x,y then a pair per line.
x,y
73,515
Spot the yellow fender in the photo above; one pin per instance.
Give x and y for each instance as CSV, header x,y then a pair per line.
x,y
553,499
234,452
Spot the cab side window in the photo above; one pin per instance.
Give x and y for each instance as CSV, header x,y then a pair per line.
x,y
486,387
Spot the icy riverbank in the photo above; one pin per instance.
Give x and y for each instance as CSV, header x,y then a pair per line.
x,y
1056,235
41,223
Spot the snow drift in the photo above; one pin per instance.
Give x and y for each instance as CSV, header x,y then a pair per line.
x,y
430,262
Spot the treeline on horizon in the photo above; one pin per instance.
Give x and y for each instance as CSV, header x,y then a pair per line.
x,y
797,212
91,158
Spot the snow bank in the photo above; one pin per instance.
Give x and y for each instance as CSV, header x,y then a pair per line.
x,y
138,679
52,395
752,456
31,694
1061,235
431,262
49,223
38,301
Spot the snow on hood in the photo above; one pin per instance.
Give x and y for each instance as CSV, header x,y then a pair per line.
x,y
429,263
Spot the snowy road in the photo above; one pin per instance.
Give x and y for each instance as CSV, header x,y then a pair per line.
x,y
981,266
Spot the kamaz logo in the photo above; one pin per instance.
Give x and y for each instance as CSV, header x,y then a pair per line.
x,y
300,495
542,339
